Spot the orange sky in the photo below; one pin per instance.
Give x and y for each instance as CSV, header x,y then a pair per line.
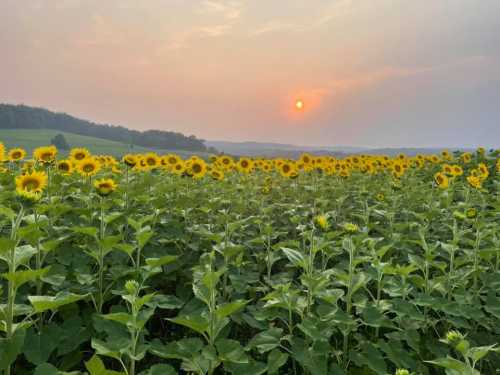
x,y
370,73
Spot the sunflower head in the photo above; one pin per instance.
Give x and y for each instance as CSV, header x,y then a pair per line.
x,y
474,181
130,160
321,221
88,167
441,180
217,174
402,371
65,167
197,168
45,155
471,213
2,152
351,228
78,154
17,154
31,185
105,187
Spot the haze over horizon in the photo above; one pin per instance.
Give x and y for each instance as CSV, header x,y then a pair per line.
x,y
389,73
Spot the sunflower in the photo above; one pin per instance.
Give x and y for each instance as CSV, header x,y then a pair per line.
x,y
456,170
217,174
287,169
197,168
474,181
466,157
471,213
483,170
130,160
179,168
350,227
45,155
78,154
65,167
2,152
88,167
17,154
380,197
105,187
151,160
170,160
442,180
322,221
245,165
31,185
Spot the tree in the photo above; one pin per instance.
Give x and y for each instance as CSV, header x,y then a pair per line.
x,y
60,142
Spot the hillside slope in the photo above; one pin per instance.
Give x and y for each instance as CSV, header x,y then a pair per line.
x,y
32,138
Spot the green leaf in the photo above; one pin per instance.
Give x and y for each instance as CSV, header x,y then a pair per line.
x,y
267,340
11,348
89,231
95,367
294,256
275,360
46,369
122,318
196,322
21,277
449,363
159,262
143,238
231,351
38,346
479,352
7,212
230,308
6,245
161,370
44,303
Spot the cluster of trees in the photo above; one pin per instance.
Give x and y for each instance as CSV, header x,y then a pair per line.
x,y
24,117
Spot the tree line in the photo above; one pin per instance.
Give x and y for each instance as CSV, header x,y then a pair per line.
x,y
24,117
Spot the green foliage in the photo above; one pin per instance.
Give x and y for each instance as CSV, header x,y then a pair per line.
x,y
171,275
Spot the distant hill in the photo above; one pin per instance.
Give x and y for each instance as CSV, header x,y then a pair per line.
x,y
24,117
277,149
29,139
293,151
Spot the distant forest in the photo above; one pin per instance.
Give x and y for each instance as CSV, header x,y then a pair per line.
x,y
24,117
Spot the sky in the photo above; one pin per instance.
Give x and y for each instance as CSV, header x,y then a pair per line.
x,y
371,73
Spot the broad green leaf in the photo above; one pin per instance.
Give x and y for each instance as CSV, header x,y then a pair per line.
x,y
195,322
21,277
161,370
159,262
46,369
44,303
275,360
231,351
267,340
11,348
96,367
294,256
230,308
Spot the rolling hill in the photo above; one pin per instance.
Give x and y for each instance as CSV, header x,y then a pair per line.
x,y
32,138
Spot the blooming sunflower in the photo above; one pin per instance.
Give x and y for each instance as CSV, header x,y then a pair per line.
x,y
474,181
442,180
31,185
321,221
179,168
45,155
2,152
287,169
78,154
151,160
245,165
197,168
65,167
217,174
130,160
17,154
88,167
105,187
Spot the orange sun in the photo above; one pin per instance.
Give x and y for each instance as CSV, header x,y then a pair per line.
x,y
299,104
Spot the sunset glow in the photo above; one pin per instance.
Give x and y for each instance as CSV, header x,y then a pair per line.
x,y
308,71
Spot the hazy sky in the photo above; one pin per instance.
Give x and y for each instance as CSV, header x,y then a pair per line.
x,y
370,72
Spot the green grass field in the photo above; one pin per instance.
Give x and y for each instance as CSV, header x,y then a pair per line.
x,y
30,139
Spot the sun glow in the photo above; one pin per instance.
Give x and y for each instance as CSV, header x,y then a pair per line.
x,y
299,104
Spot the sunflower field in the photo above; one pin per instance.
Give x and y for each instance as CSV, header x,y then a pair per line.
x,y
156,265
